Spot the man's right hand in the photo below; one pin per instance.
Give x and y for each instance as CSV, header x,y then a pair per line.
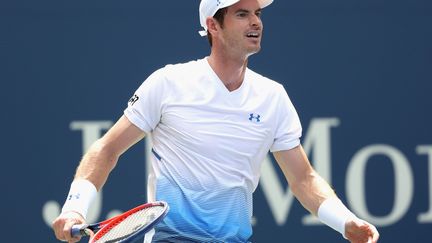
x,y
63,223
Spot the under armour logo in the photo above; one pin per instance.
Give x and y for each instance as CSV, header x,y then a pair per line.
x,y
218,3
74,196
133,99
254,117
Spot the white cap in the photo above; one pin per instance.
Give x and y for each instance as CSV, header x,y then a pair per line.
x,y
208,8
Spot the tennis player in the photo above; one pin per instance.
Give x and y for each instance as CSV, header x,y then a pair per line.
x,y
212,122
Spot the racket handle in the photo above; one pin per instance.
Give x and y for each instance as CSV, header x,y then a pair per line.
x,y
79,230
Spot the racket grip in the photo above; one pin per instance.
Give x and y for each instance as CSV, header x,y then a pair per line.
x,y
79,230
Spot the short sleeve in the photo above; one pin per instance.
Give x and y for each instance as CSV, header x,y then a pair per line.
x,y
288,126
145,106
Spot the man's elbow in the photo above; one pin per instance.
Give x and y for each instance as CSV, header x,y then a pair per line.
x,y
103,154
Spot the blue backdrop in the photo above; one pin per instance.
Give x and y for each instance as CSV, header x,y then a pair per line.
x,y
358,72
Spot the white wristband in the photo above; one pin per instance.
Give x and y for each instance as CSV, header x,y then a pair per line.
x,y
81,194
333,213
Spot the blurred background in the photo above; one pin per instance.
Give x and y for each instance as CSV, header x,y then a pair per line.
x,y
358,72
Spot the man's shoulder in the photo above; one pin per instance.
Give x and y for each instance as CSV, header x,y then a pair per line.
x,y
183,66
263,81
181,73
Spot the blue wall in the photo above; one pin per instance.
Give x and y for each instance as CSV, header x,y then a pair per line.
x,y
359,73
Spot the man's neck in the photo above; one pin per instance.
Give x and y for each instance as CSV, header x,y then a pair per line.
x,y
230,70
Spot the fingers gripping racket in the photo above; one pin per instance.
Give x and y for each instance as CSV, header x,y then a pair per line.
x,y
125,227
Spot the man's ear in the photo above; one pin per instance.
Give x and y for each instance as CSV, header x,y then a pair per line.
x,y
212,25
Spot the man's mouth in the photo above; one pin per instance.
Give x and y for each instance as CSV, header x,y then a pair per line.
x,y
253,34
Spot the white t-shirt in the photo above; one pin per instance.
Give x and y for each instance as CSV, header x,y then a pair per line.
x,y
208,146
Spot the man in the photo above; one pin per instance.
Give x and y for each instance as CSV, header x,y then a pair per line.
x,y
212,123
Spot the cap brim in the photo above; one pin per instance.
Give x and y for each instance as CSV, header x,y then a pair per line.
x,y
264,3
228,3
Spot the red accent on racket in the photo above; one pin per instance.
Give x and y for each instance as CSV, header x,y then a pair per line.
x,y
126,227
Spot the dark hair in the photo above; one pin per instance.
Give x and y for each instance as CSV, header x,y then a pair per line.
x,y
219,16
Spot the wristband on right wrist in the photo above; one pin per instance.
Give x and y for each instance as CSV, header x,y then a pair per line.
x,y
335,214
81,194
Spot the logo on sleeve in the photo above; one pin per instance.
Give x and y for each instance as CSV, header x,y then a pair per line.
x,y
134,99
74,196
254,117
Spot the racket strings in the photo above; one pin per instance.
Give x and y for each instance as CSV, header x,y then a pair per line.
x,y
130,224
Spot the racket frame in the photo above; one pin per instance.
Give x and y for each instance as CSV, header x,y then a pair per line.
x,y
101,228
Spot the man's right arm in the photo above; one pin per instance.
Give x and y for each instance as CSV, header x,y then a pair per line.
x,y
95,168
103,155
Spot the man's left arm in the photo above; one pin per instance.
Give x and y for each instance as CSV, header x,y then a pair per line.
x,y
316,195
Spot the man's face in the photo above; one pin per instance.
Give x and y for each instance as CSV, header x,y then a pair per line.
x,y
242,28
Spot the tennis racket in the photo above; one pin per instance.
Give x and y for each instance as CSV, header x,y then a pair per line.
x,y
126,227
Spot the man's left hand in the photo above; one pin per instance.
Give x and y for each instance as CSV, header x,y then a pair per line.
x,y
360,231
